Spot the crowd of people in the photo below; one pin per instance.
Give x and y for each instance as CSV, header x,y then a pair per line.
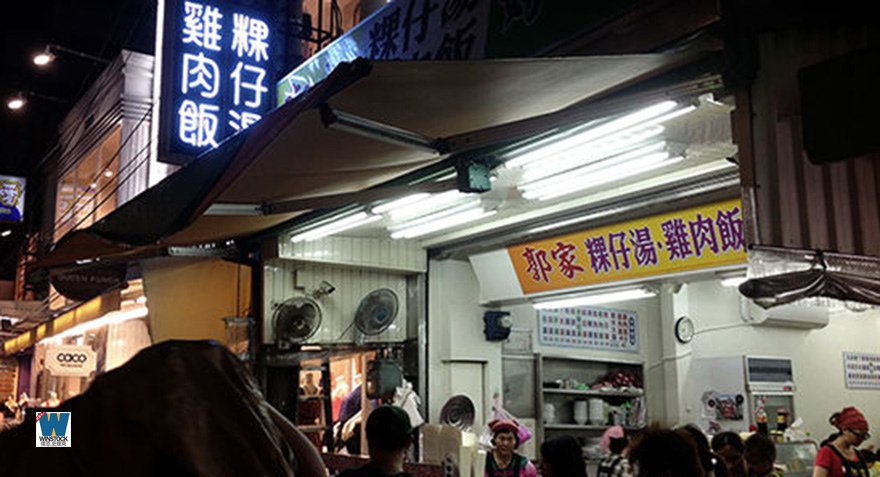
x,y
654,452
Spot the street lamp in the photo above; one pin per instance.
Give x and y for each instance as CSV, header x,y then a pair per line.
x,y
16,102
44,57
47,56
19,100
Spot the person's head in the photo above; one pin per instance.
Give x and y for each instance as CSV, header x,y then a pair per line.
x,y
852,425
659,452
614,440
729,447
760,454
562,456
388,431
699,439
505,435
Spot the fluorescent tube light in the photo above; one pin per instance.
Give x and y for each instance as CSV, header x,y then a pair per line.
x,y
552,177
440,224
396,204
733,281
350,222
613,126
440,215
620,171
111,318
595,299
587,154
428,204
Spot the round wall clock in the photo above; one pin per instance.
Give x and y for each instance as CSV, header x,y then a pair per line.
x,y
684,329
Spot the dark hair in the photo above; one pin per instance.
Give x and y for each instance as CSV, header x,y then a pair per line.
x,y
564,454
507,431
617,444
662,452
703,451
728,438
760,448
388,429
830,439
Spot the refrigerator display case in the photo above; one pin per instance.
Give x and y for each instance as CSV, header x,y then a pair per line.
x,y
796,458
731,389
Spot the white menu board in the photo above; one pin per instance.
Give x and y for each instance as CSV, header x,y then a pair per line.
x,y
590,327
862,370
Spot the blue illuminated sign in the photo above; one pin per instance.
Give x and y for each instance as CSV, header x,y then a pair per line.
x,y
11,198
216,75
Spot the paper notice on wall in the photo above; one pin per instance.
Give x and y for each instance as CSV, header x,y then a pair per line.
x,y
862,370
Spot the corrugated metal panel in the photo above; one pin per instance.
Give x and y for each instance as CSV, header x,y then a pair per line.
x,y
286,279
383,254
793,202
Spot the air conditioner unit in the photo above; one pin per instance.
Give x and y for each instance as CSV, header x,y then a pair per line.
x,y
785,316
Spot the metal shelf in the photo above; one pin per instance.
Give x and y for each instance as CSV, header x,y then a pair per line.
x,y
594,393
585,427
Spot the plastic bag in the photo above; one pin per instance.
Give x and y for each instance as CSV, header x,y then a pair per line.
x,y
498,412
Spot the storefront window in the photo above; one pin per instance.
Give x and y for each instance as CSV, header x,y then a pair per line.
x,y
87,191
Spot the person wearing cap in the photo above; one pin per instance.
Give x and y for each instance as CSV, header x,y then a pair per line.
x,y
389,436
839,456
613,443
503,461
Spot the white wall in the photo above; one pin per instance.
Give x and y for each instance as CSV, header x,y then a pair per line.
x,y
817,354
650,351
455,339
286,279
456,334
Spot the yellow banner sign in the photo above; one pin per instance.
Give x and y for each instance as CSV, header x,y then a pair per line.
x,y
700,237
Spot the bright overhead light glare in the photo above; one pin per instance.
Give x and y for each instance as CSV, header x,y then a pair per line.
x,y
428,204
642,118
595,299
733,281
108,174
551,175
341,225
590,153
398,203
440,224
43,58
439,215
618,172
112,318
16,102
6,233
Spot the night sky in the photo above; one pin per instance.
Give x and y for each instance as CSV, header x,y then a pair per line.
x,y
97,27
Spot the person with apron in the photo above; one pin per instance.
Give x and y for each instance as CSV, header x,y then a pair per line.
x,y
503,461
839,456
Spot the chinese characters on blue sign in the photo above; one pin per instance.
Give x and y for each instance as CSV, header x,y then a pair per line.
x,y
402,30
218,58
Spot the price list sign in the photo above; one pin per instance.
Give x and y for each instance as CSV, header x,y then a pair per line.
x,y
862,370
590,327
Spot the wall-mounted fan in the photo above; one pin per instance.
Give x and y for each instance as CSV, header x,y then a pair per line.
x,y
295,320
376,312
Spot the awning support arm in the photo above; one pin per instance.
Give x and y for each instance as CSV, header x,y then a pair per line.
x,y
342,121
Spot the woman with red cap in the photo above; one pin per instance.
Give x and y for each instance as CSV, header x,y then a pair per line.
x,y
503,461
838,456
